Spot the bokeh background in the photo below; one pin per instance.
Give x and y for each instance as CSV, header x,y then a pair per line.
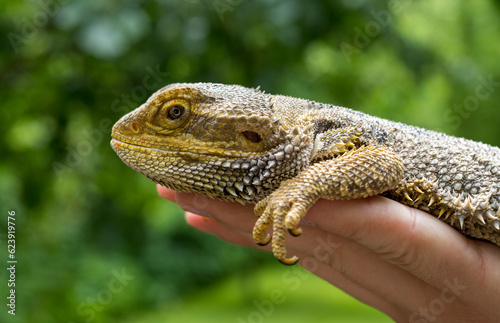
x,y
94,242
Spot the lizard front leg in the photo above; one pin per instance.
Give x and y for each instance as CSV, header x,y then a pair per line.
x,y
359,173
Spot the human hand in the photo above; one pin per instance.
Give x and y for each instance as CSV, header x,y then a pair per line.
x,y
400,260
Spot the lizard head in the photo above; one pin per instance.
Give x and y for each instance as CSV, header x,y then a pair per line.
x,y
219,140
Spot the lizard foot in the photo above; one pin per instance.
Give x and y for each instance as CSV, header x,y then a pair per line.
x,y
283,212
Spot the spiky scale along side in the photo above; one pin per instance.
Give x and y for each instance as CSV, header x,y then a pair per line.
x,y
240,144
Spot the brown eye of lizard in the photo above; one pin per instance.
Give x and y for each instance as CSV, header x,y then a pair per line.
x,y
175,112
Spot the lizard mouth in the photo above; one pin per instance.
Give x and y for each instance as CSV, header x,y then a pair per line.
x,y
117,145
122,147
194,153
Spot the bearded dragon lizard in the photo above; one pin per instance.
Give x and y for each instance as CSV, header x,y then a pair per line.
x,y
282,153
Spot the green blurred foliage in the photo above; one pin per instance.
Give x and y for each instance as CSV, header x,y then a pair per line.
x,y
94,242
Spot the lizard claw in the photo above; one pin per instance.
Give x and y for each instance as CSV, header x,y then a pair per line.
x,y
295,232
289,261
265,241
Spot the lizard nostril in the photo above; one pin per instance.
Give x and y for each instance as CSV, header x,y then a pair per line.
x,y
134,126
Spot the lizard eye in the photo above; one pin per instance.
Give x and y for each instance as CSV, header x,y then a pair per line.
x,y
175,112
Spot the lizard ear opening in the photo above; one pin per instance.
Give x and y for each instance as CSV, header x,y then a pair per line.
x,y
252,136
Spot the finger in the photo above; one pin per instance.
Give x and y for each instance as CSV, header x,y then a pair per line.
x,y
223,231
166,193
235,215
204,223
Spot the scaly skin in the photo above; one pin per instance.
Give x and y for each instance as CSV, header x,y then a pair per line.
x,y
283,153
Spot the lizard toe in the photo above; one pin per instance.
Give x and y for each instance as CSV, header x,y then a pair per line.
x,y
261,207
259,233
